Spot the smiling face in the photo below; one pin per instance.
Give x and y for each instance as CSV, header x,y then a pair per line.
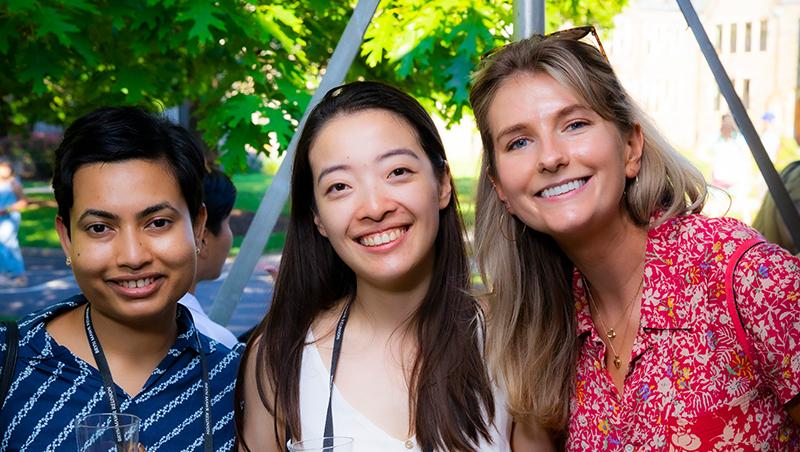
x,y
561,168
132,242
377,196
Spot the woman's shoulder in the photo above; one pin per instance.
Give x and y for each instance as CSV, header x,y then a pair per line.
x,y
699,232
49,313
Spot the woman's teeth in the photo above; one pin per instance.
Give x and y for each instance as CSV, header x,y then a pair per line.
x,y
382,238
133,284
563,188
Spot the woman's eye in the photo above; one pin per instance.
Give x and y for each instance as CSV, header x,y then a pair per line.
x,y
160,223
518,144
337,187
400,171
97,229
577,125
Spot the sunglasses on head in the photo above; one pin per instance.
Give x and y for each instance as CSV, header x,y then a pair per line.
x,y
573,34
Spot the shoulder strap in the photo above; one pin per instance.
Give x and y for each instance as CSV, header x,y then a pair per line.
x,y
12,342
730,295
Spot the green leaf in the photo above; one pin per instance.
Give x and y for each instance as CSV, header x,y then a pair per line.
x,y
135,83
83,47
458,74
234,155
204,15
6,34
21,6
239,109
35,68
51,22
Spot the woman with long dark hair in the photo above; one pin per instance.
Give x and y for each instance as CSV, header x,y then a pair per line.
x,y
372,332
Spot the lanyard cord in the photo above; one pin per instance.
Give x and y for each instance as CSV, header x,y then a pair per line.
x,y
337,348
105,372
108,383
208,439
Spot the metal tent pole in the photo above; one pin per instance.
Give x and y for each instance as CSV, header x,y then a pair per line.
x,y
528,18
774,182
272,203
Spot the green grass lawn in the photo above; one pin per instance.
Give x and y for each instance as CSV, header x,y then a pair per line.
x,y
38,222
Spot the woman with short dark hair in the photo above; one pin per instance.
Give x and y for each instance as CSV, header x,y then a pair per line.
x,y
129,190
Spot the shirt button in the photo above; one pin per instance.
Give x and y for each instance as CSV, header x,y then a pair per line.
x,y
629,448
409,444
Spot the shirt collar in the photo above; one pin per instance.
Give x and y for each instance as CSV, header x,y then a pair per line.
x,y
188,334
32,330
191,302
667,266
584,315
660,309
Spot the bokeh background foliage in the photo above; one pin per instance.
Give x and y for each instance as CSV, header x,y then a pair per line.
x,y
246,69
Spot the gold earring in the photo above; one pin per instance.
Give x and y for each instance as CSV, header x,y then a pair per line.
x,y
68,261
503,216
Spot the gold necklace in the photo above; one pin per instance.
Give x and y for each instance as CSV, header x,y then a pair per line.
x,y
611,333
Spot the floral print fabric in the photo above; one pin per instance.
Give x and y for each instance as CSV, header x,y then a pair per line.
x,y
691,384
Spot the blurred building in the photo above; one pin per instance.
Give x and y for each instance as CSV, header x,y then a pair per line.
x,y
658,60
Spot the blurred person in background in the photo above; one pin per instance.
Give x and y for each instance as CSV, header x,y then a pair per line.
x,y
219,195
732,171
12,201
769,221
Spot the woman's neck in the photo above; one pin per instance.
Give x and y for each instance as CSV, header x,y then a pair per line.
x,y
135,340
385,309
132,350
612,262
386,306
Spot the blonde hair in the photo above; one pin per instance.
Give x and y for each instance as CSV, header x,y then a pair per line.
x,y
531,335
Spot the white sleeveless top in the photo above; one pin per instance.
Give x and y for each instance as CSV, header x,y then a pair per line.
x,y
347,421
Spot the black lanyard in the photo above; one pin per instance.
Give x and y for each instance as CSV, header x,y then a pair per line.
x,y
337,348
108,382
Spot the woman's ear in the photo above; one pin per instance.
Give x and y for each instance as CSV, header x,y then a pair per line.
x,y
63,236
497,188
203,247
634,147
320,226
199,226
445,187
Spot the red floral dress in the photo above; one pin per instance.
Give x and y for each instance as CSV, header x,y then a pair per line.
x,y
705,373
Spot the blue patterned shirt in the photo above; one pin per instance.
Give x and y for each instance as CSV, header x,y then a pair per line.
x,y
52,388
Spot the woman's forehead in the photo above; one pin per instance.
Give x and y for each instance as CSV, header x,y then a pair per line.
x,y
125,185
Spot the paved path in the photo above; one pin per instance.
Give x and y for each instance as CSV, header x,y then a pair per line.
x,y
49,281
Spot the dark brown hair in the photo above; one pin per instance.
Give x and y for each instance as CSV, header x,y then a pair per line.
x,y
450,391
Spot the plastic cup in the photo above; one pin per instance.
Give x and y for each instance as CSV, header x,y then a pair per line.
x,y
325,444
100,433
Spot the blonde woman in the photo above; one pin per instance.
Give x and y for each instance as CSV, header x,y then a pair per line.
x,y
613,325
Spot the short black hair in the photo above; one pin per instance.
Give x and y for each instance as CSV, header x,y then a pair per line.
x,y
219,194
115,134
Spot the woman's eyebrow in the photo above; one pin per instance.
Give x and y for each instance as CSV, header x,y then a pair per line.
x,y
331,169
97,213
395,152
155,208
